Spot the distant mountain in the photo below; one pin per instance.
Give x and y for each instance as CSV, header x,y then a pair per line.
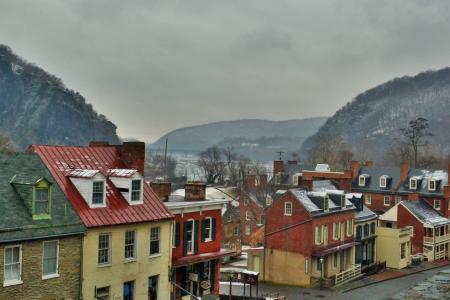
x,y
258,139
375,116
36,107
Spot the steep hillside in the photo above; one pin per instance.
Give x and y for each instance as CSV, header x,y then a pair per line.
x,y
259,139
376,115
36,107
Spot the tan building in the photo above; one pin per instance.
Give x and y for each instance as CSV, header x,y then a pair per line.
x,y
393,243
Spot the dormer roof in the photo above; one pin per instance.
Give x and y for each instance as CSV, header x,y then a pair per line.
x,y
59,159
82,173
127,173
313,202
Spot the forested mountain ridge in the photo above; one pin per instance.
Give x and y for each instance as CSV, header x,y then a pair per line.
x,y
36,107
375,116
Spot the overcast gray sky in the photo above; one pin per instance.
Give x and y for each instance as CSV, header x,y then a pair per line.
x,y
153,66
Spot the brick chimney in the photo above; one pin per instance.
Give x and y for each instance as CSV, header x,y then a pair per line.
x,y
369,164
354,167
195,191
133,154
404,171
162,189
278,166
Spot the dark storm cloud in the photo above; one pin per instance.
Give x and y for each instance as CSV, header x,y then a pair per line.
x,y
152,66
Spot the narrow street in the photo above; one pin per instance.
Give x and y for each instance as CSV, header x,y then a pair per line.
x,y
382,290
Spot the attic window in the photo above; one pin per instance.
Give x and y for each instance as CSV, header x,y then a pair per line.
x,y
98,193
136,190
42,201
413,183
326,203
362,180
383,180
343,201
432,185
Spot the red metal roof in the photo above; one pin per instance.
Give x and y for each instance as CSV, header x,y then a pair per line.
x,y
58,159
193,259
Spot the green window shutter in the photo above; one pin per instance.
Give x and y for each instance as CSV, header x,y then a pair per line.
x,y
203,230
213,229
185,225
196,236
177,234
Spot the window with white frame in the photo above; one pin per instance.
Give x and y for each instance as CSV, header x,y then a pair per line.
x,y
130,245
268,200
383,181
136,190
387,200
288,208
432,185
336,231
295,180
413,183
319,235
229,218
98,192
12,265
257,180
349,225
362,180
208,229
155,233
104,249
398,199
368,199
437,204
50,255
247,215
190,236
326,203
278,179
236,230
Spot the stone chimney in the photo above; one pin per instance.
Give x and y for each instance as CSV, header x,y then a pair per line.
x,y
404,171
195,191
354,166
278,166
162,189
369,164
133,154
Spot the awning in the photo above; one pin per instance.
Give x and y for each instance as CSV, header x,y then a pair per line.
x,y
192,259
328,251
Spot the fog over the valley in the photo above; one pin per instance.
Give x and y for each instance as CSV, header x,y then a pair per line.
x,y
153,66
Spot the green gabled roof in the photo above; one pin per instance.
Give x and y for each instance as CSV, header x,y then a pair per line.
x,y
16,221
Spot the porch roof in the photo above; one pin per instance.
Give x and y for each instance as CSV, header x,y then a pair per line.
x,y
189,260
328,251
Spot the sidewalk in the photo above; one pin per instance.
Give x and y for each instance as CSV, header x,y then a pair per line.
x,y
390,274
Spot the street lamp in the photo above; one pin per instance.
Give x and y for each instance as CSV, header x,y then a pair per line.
x,y
321,272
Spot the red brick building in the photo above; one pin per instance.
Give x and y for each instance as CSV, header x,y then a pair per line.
x,y
309,239
196,250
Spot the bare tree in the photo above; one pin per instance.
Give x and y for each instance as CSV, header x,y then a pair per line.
x,y
415,136
155,166
213,165
330,150
6,145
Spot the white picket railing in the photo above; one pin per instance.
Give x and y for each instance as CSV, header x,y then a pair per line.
x,y
348,275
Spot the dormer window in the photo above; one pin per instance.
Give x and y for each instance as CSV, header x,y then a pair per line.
x,y
98,193
136,190
326,203
383,181
362,180
42,201
343,201
413,183
432,185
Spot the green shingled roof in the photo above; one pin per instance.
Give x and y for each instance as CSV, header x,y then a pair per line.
x,y
16,221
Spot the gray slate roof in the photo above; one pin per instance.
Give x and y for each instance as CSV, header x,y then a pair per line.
x,y
16,222
425,213
313,202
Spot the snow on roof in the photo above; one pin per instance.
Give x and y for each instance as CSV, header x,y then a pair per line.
x,y
425,213
82,173
121,172
353,195
323,185
302,196
322,168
